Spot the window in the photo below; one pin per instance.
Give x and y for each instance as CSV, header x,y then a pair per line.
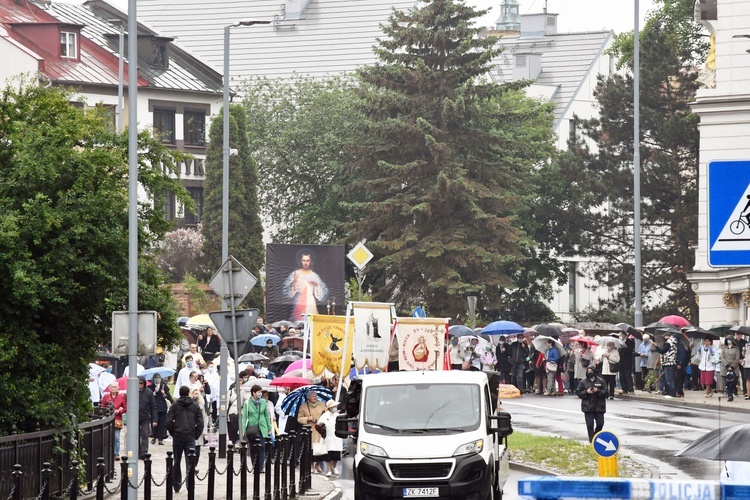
x,y
68,45
194,125
111,110
168,205
196,193
160,56
164,125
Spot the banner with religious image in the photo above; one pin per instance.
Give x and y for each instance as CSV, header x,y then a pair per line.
x,y
421,343
328,334
372,334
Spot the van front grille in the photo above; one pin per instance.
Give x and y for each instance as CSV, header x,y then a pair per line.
x,y
423,470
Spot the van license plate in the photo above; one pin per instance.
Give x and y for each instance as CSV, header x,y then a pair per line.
x,y
420,492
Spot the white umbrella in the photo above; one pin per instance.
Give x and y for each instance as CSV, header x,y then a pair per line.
x,y
540,343
95,370
606,339
466,342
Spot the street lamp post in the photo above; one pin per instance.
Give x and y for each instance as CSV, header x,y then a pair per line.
x,y
224,354
637,169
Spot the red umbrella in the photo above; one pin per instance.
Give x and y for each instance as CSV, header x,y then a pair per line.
x,y
675,320
290,381
583,339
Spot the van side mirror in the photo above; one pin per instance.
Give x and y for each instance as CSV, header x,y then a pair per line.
x,y
346,427
502,424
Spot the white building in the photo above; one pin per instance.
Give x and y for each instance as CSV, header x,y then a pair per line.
x,y
723,106
78,46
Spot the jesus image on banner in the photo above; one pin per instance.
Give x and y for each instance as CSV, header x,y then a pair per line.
x,y
305,287
420,351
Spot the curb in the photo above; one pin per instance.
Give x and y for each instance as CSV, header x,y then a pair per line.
x,y
530,469
728,407
334,495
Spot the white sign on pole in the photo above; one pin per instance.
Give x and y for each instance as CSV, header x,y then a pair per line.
x,y
146,332
242,282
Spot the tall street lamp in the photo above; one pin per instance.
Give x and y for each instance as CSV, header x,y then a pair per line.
x,y
225,243
225,147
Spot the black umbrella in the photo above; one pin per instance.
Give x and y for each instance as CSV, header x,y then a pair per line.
x,y
744,330
654,326
548,330
698,333
721,330
278,365
728,443
630,330
659,336
252,357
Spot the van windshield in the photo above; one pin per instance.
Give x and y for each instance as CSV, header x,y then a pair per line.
x,y
422,408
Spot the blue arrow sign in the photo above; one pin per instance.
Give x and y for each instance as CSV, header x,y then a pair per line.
x,y
605,444
728,207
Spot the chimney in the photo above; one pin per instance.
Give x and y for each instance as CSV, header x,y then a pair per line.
x,y
538,25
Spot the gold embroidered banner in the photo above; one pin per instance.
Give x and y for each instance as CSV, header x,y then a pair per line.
x,y
328,343
421,343
372,340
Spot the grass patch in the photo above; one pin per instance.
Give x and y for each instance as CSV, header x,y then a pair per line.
x,y
566,457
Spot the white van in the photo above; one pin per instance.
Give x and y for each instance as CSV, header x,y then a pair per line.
x,y
428,434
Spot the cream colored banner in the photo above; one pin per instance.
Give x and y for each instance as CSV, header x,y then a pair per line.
x,y
421,343
372,334
329,342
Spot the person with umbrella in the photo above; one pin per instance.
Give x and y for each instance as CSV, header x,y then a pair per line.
x,y
456,354
308,415
626,362
584,358
593,393
502,353
331,442
270,350
209,344
161,396
730,356
553,357
147,417
519,357
669,362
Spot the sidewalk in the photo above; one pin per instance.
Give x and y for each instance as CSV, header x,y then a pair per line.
x,y
322,487
696,399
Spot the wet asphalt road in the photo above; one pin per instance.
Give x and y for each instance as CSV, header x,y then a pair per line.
x,y
650,431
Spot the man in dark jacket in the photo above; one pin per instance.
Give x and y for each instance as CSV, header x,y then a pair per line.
x,y
626,363
502,353
185,424
681,363
519,356
593,393
147,416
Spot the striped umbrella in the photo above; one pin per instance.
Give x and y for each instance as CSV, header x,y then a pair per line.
x,y
291,403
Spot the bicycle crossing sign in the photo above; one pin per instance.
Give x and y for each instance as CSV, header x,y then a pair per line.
x,y
728,213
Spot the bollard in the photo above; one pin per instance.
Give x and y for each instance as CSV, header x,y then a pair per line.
x,y
310,458
283,464
100,471
278,463
46,475
147,477
211,472
244,470
170,475
74,480
124,478
191,474
256,469
303,465
267,468
230,471
17,476
293,450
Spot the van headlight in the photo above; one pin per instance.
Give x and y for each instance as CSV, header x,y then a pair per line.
x,y
469,448
370,450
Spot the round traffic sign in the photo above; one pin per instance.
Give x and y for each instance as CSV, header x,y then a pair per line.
x,y
605,444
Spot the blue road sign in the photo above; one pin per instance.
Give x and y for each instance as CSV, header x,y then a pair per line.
x,y
605,444
728,211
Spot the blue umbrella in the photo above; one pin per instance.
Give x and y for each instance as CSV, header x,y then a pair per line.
x,y
459,331
291,403
260,340
503,327
161,370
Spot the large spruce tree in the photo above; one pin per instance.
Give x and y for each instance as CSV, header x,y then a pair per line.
x,y
245,228
443,164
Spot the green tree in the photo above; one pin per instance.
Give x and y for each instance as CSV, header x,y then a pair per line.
x,y
445,162
245,228
301,132
64,249
600,207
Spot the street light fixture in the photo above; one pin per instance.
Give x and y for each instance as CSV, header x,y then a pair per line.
x,y
225,237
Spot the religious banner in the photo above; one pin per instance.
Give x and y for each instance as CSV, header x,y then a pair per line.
x,y
372,334
329,342
421,343
304,279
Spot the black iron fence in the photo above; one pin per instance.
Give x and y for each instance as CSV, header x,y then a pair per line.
x,y
44,459
286,473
